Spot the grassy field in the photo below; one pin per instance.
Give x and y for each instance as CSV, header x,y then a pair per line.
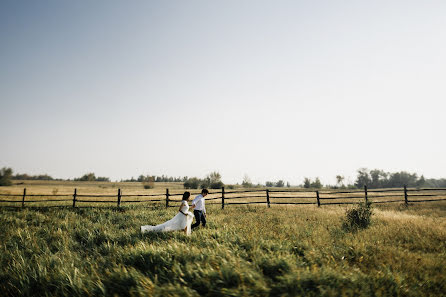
x,y
300,250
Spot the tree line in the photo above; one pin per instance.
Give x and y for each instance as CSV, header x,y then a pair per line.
x,y
373,179
159,179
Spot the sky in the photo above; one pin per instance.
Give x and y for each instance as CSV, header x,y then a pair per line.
x,y
268,89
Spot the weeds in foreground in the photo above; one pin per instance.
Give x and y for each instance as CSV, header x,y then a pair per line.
x,y
243,251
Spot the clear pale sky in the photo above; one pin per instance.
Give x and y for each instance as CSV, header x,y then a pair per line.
x,y
271,89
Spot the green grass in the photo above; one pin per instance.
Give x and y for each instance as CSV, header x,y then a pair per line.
x,y
244,251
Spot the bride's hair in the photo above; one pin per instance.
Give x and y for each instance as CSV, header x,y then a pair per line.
x,y
186,196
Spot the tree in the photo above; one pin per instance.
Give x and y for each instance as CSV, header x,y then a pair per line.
x,y
87,177
316,184
307,183
363,178
400,179
288,184
246,182
269,184
280,184
378,179
192,183
215,180
421,181
92,177
339,180
5,176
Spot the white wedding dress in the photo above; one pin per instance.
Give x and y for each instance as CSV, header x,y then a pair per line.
x,y
178,222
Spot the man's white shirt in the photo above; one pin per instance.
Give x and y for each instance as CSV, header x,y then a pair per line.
x,y
199,203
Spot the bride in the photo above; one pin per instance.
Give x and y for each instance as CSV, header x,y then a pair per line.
x,y
182,221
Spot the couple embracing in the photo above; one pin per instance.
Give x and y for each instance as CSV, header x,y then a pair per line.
x,y
183,219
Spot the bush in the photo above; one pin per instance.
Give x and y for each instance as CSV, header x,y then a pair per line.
x,y
358,217
216,185
5,176
192,183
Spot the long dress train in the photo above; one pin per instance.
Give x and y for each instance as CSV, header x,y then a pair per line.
x,y
182,220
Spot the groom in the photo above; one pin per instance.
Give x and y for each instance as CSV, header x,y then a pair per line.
x,y
200,209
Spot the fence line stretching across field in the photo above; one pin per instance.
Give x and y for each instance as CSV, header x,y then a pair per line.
x,y
291,197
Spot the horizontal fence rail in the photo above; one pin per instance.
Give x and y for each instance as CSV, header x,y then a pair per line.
x,y
240,197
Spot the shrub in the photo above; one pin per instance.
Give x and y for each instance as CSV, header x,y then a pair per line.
x,y
192,183
358,217
216,185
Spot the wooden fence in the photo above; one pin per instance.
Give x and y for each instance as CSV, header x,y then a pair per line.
x,y
241,197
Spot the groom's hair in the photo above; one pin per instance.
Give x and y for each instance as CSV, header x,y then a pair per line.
x,y
186,195
205,191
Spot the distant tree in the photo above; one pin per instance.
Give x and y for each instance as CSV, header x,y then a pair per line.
x,y
288,184
214,179
307,183
280,184
246,182
435,183
316,184
339,180
363,178
25,176
421,181
379,179
5,176
400,179
87,177
269,184
92,177
192,183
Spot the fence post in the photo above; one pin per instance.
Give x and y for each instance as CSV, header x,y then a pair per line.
x,y
405,195
119,197
365,194
317,197
23,199
267,198
222,197
74,197
167,198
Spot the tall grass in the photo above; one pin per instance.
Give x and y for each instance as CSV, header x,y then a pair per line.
x,y
244,251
